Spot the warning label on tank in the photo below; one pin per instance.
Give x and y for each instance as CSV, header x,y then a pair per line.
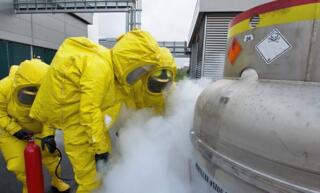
x,y
273,46
214,186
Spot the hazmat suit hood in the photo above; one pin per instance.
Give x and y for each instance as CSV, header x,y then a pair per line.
x,y
13,70
134,54
30,72
146,98
167,61
27,79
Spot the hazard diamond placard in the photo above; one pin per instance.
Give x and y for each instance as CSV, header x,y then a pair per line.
x,y
273,46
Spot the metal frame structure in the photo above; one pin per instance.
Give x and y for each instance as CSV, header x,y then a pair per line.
x,y
132,8
179,49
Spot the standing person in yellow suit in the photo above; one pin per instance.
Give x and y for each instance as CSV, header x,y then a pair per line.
x,y
17,92
85,83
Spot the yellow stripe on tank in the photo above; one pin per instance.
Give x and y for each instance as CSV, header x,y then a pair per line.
x,y
281,16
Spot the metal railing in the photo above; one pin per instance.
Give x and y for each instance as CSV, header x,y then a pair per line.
x,y
179,49
132,8
72,6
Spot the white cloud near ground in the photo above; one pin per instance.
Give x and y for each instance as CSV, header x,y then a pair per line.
x,y
154,152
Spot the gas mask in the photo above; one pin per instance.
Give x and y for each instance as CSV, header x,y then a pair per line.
x,y
26,95
160,80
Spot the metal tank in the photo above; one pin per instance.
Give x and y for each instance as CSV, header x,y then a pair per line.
x,y
258,129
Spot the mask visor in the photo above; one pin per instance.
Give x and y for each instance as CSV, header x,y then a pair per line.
x,y
136,74
27,95
159,81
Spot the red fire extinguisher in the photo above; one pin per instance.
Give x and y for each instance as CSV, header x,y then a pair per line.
x,y
33,167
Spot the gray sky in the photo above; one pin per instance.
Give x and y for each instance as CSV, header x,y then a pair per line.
x,y
166,20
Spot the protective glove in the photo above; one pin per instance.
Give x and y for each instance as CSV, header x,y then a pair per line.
x,y
50,143
23,134
102,157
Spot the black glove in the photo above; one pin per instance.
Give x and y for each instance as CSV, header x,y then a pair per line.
x,y
103,157
50,143
23,134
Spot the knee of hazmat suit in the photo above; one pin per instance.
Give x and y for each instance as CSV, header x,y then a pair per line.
x,y
17,92
154,87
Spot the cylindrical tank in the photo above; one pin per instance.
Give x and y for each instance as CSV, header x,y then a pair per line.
x,y
33,168
258,129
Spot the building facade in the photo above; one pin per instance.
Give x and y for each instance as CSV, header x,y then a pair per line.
x,y
24,36
208,35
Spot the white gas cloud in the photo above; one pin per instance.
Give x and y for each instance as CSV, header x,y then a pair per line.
x,y
154,151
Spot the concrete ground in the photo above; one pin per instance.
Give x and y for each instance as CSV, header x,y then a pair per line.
x,y
9,184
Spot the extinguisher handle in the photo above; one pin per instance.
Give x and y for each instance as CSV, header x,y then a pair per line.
x,y
50,143
23,134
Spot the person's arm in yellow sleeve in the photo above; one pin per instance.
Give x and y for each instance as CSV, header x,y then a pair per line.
x,y
93,85
6,122
47,130
48,142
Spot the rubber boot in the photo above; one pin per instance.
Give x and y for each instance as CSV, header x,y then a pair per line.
x,y
60,185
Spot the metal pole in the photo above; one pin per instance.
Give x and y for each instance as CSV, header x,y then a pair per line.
x,y
131,18
127,21
138,13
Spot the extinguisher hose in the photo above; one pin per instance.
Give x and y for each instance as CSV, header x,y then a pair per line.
x,y
59,163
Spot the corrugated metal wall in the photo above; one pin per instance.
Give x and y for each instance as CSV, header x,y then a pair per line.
x,y
193,61
215,44
196,59
208,48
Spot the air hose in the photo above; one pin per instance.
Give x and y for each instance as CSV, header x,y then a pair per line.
x,y
59,163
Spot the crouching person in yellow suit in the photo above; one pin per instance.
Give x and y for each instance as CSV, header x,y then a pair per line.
x,y
17,92
87,82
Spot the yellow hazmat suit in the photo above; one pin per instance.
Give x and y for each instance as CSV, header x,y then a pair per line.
x,y
151,91
86,83
14,116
